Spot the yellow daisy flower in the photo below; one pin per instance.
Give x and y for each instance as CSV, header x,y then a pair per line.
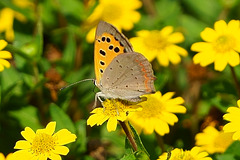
x,y
178,154
44,143
9,156
221,47
4,55
157,113
213,141
113,110
7,16
233,116
114,12
160,45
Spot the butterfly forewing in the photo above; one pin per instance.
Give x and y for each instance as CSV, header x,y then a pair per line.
x,y
128,76
109,43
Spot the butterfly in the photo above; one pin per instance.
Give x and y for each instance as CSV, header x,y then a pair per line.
x,y
120,72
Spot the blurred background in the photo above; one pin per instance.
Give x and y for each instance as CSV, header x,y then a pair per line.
x,y
50,41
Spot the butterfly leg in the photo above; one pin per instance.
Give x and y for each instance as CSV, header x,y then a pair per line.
x,y
98,97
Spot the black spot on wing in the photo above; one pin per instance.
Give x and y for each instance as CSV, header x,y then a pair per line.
x,y
102,52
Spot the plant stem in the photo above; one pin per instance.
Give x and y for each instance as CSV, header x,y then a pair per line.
x,y
235,80
129,135
160,141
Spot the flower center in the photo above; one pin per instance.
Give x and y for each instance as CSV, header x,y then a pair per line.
x,y
224,43
182,155
114,107
151,109
112,12
43,143
155,41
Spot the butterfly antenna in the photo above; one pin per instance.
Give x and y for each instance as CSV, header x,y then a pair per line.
x,y
93,80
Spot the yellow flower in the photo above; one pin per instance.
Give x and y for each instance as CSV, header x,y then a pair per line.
x,y
7,16
178,154
4,55
157,113
122,14
9,156
213,141
233,116
160,45
23,3
113,110
221,46
43,144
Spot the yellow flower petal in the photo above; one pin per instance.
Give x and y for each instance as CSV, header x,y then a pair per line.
x,y
157,113
66,137
220,62
176,37
1,68
162,128
2,157
233,58
23,154
236,135
4,63
166,31
163,59
5,55
63,150
220,26
112,124
50,128
233,25
3,44
28,134
201,46
209,35
54,157
173,56
22,144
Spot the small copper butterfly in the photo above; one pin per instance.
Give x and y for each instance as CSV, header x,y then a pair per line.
x,y
120,72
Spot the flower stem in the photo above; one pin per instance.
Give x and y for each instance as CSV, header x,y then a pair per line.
x,y
129,135
160,141
235,80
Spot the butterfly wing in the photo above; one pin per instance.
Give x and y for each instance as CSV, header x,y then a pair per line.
x,y
109,43
128,76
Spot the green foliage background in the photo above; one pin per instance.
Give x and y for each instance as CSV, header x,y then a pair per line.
x,y
26,101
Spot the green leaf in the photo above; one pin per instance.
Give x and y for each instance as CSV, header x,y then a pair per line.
x,y
192,28
81,136
225,156
141,153
204,8
73,9
27,117
62,119
9,79
128,151
69,51
234,148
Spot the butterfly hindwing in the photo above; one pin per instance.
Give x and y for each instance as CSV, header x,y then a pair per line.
x,y
109,43
128,76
